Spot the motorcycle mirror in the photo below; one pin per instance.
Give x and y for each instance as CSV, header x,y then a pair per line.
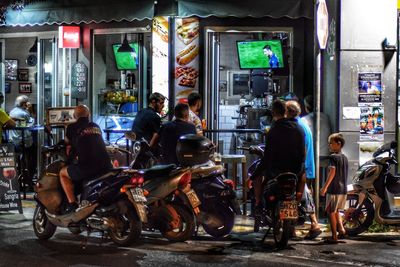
x,y
130,136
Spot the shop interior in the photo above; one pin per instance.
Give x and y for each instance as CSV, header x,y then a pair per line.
x,y
120,77
249,79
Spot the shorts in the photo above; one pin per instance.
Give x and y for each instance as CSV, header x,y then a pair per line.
x,y
76,174
308,201
335,202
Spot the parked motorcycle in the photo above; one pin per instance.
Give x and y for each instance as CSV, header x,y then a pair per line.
x,y
112,203
172,204
367,197
217,197
281,208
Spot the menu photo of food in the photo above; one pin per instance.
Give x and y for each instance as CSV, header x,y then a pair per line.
x,y
187,29
187,54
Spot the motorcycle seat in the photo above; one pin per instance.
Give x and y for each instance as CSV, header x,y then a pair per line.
x,y
158,171
112,172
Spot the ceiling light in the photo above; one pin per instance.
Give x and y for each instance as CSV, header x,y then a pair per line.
x,y
125,47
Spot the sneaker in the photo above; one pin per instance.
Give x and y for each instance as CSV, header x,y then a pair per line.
x,y
71,207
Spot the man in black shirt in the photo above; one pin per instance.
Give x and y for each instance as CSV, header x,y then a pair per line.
x,y
171,131
85,145
148,121
284,149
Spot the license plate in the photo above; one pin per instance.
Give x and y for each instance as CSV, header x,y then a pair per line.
x,y
137,194
288,210
194,200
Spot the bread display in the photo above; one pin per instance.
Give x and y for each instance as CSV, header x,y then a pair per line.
x,y
187,29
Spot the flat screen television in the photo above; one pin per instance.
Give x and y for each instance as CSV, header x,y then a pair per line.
x,y
260,54
126,60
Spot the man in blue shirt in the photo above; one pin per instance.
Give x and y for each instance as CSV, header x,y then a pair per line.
x,y
293,111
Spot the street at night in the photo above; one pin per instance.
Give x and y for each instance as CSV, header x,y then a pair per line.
x,y
20,247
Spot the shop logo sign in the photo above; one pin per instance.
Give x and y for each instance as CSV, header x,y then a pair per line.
x,y
69,37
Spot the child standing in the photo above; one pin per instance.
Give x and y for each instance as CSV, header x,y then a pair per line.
x,y
335,187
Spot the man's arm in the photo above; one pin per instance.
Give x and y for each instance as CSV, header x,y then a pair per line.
x,y
154,140
6,120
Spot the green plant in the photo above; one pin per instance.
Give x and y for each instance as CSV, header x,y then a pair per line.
x,y
378,228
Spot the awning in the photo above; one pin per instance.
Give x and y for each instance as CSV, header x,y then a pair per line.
x,y
80,11
241,8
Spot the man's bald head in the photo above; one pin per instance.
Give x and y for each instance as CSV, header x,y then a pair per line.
x,y
81,111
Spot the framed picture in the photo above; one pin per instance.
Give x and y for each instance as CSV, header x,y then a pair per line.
x,y
60,116
11,67
23,75
25,88
7,88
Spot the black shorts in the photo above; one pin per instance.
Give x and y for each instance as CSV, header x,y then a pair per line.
x,y
77,174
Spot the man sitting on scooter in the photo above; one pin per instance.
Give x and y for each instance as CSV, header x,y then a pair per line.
x,y
284,151
88,151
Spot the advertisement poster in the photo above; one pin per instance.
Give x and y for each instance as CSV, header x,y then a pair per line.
x,y
160,56
366,151
371,123
370,88
9,186
186,57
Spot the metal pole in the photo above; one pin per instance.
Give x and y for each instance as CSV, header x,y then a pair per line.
x,y
318,130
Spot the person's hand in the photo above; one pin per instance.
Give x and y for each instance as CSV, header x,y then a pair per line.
x,y
323,191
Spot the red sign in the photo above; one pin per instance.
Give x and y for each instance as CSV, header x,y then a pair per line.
x,y
69,37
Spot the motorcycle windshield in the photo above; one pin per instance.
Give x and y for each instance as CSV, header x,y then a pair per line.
x,y
384,148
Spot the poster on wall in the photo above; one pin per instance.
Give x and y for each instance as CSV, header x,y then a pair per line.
x,y
160,56
371,123
186,57
366,151
9,185
370,88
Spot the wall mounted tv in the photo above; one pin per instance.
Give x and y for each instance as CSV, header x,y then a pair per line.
x,y
260,54
126,60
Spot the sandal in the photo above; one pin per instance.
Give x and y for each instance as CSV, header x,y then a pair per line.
x,y
330,240
312,234
342,235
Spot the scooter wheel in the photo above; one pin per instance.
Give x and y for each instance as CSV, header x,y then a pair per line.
x,y
225,216
42,227
128,227
357,220
186,226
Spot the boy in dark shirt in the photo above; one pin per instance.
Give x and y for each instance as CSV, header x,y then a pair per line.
x,y
335,187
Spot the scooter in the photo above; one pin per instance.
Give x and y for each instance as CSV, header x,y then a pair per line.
x,y
217,197
172,204
112,203
367,197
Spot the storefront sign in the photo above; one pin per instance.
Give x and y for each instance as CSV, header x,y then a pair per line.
x,y
79,80
322,24
9,186
69,37
369,88
160,56
187,57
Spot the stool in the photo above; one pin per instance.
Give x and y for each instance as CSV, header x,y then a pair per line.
x,y
234,160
